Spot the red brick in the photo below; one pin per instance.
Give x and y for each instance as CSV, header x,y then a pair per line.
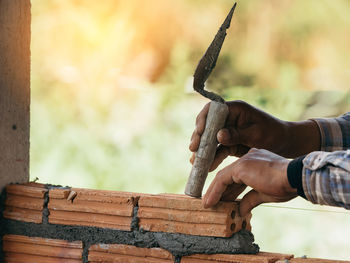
x,y
261,257
182,214
25,258
90,217
127,253
24,190
22,214
106,196
99,208
86,223
132,250
90,207
183,202
158,225
314,260
103,257
43,241
42,247
24,202
59,193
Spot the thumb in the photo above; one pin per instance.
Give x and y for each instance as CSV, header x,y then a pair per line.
x,y
251,200
228,136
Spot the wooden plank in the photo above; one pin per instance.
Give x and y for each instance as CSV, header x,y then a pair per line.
x,y
15,21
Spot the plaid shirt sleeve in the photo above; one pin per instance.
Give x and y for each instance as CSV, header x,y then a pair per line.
x,y
335,133
326,178
326,173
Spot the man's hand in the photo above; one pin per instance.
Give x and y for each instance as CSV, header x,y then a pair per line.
x,y
262,170
248,127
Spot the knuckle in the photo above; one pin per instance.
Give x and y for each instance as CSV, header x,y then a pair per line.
x,y
253,150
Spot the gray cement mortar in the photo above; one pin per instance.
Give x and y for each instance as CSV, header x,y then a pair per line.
x,y
179,245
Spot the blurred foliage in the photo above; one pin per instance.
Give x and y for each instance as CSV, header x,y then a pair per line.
x,y
112,101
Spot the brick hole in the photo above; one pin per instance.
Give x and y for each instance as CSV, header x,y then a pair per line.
x,y
233,214
244,224
233,226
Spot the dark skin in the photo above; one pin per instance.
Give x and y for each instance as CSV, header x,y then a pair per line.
x,y
246,129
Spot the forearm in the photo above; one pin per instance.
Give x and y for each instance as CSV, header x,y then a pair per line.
x,y
327,134
302,138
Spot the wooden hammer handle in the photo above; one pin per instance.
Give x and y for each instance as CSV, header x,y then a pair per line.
x,y
207,148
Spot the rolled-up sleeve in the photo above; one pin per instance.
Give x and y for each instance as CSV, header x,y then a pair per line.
x,y
326,178
335,133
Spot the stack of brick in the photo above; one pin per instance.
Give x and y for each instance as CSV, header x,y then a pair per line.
x,y
41,211
186,215
107,209
22,249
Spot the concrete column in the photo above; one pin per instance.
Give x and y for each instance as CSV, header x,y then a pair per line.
x,y
15,18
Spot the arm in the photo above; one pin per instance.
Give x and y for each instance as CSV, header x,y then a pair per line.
x,y
320,177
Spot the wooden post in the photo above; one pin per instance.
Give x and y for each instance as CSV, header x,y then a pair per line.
x,y
15,21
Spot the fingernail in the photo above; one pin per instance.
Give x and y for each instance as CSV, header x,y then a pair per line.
x,y
192,159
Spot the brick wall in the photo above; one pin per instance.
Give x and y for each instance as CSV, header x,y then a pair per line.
x,y
43,223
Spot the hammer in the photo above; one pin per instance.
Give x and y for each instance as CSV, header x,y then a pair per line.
x,y
217,114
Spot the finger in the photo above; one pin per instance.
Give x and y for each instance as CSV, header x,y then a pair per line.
x,y
217,187
221,153
195,140
232,192
198,131
224,137
251,200
193,156
201,119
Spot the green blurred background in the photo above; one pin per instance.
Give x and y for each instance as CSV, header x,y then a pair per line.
x,y
113,107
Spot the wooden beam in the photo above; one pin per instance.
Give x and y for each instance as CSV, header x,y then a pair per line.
x,y
15,18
